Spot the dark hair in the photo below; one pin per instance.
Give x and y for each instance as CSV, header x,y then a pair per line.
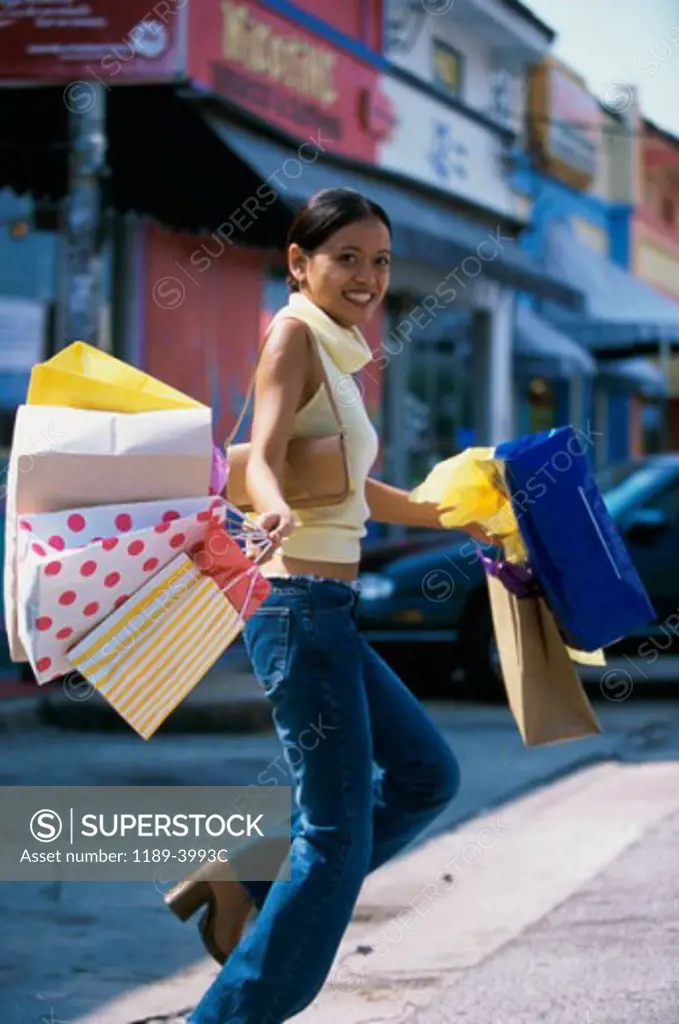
x,y
325,213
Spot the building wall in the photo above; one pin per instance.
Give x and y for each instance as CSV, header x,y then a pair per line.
x,y
359,19
606,229
205,344
481,61
617,153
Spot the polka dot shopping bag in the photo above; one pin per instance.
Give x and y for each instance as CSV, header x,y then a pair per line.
x,y
150,653
78,566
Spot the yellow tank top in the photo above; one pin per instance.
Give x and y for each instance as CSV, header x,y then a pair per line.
x,y
333,534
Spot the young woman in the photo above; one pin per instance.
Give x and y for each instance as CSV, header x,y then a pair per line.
x,y
380,771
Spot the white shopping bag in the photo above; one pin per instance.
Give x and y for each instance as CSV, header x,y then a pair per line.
x,y
76,567
64,458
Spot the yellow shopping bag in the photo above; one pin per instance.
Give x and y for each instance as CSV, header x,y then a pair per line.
x,y
84,377
150,653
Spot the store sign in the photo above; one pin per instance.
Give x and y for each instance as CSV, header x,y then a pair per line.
x,y
282,73
445,149
65,40
308,70
564,124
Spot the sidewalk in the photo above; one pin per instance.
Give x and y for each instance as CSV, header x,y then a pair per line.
x,y
449,931
227,699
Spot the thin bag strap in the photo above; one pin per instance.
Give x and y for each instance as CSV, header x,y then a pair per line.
x,y
251,386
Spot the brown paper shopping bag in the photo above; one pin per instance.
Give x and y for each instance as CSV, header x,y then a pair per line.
x,y
544,690
65,458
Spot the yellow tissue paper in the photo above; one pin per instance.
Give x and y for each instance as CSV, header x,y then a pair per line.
x,y
470,488
597,658
84,377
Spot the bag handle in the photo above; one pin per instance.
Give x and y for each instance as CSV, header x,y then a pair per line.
x,y
251,386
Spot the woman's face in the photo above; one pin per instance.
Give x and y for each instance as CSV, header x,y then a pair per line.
x,y
348,275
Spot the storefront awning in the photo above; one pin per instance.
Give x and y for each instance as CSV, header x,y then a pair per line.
x,y
541,349
624,316
638,375
164,161
426,230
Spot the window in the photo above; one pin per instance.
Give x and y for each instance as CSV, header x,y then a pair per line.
x,y
447,68
438,408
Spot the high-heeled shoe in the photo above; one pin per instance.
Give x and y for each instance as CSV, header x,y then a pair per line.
x,y
228,909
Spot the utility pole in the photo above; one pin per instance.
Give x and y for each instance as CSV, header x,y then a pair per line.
x,y
83,234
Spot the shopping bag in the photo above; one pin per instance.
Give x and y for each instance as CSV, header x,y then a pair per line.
x,y
150,653
544,691
68,458
84,377
76,567
221,558
573,544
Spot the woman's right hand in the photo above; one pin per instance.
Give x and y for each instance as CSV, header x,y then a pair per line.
x,y
279,522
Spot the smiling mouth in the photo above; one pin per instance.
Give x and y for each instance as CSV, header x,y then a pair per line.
x,y
359,298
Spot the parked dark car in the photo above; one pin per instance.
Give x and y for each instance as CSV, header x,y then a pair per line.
x,y
424,599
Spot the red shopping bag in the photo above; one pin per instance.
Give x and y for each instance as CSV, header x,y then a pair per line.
x,y
220,557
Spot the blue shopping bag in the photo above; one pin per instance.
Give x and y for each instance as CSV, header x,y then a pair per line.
x,y
574,547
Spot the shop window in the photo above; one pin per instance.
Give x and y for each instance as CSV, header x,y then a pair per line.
x,y
438,400
447,68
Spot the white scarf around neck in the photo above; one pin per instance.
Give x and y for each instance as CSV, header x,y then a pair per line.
x,y
346,346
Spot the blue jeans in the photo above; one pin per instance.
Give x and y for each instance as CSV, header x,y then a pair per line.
x,y
376,774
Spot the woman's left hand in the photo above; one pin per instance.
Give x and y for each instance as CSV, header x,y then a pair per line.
x,y
480,534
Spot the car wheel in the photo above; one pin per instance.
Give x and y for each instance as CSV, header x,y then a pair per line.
x,y
480,656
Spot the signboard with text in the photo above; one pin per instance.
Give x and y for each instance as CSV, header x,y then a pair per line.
x,y
564,124
112,40
287,76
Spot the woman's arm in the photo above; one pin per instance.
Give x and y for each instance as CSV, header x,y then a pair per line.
x,y
279,385
391,505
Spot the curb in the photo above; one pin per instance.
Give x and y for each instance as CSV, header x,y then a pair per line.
x,y
20,714
227,700
240,715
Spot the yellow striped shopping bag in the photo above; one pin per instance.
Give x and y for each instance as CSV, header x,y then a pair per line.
x,y
153,650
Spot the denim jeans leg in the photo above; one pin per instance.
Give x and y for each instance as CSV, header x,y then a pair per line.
x,y
418,774
307,653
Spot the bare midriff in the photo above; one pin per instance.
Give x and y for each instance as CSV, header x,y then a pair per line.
x,y
279,565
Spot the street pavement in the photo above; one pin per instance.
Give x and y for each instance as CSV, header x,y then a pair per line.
x,y
111,953
607,955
